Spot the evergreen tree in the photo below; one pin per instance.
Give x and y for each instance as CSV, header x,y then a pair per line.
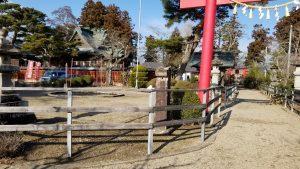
x,y
171,49
20,21
231,32
151,53
260,43
174,14
92,14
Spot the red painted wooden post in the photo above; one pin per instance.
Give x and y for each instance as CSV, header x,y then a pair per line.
x,y
208,36
207,46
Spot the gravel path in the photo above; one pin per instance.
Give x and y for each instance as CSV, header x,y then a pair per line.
x,y
257,135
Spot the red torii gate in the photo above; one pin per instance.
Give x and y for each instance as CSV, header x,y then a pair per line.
x,y
208,35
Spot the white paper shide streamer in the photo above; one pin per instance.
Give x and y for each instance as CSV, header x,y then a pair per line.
x,y
264,11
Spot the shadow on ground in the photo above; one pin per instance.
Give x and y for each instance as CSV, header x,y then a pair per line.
x,y
118,142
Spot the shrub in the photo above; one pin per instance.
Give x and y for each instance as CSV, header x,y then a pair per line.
x,y
255,78
185,85
10,144
77,82
142,77
194,79
87,80
190,98
173,82
152,82
186,98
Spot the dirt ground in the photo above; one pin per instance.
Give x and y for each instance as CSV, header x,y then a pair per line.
x,y
49,148
250,134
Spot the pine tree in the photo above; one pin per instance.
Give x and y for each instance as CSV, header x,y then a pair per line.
x,y
20,21
151,53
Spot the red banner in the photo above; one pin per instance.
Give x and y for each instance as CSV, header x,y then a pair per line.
x,y
29,71
37,70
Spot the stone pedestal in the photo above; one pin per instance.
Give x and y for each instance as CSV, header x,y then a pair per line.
x,y
162,97
297,77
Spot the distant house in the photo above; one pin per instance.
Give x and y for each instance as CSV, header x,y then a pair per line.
x,y
94,58
226,59
92,48
89,47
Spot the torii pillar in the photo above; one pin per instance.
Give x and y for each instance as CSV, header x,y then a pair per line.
x,y
208,35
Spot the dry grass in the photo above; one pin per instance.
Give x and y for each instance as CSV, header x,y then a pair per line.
x,y
11,143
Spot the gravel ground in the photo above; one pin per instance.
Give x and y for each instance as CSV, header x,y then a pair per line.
x,y
257,135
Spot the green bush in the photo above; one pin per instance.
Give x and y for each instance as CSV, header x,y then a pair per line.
x,y
194,79
54,83
173,82
87,80
142,77
152,82
255,78
190,98
186,98
77,82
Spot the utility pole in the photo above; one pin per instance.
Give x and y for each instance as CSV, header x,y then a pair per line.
x,y
289,55
138,47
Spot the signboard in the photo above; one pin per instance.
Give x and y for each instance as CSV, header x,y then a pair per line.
x,y
185,4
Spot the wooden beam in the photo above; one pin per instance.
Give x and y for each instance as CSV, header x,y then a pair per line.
x,y
43,110
76,127
186,4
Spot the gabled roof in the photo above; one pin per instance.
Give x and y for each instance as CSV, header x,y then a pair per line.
x,y
225,58
152,65
86,36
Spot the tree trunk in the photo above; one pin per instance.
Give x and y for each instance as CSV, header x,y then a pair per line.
x,y
188,53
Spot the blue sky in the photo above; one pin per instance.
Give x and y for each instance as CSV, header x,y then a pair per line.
x,y
152,14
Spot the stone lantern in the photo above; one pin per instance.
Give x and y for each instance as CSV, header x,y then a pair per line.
x,y
6,71
215,73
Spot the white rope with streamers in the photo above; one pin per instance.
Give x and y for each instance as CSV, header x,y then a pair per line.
x,y
261,9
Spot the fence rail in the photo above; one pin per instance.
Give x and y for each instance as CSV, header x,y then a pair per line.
x,y
208,107
286,96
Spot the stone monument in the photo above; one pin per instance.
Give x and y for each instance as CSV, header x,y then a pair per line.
x,y
163,81
6,72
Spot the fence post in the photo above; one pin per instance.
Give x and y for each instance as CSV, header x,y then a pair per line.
x,y
285,98
69,122
293,98
220,102
152,100
203,116
212,107
225,97
231,93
